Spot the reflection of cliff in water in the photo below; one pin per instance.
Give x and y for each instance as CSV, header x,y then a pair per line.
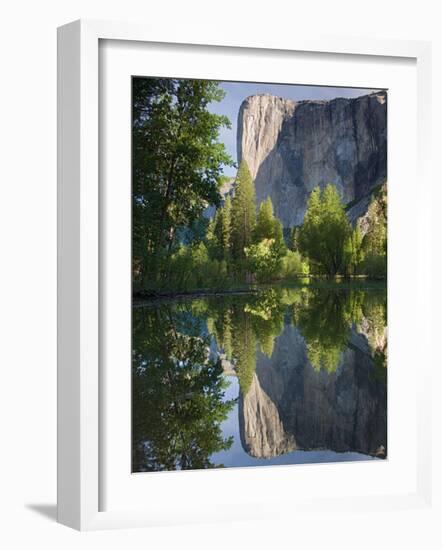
x,y
290,405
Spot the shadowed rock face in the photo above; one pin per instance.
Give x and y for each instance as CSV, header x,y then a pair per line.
x,y
292,406
291,147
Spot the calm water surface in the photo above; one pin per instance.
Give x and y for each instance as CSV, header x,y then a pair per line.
x,y
284,376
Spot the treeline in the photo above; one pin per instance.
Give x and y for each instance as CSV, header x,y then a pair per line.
x,y
178,165
245,244
240,245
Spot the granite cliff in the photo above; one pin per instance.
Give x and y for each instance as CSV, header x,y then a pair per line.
x,y
291,147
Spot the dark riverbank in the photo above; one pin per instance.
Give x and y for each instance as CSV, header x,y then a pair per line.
x,y
140,298
152,296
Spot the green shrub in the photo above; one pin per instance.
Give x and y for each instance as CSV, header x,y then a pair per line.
x,y
191,268
264,260
293,266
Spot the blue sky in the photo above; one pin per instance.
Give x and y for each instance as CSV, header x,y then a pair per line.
x,y
236,92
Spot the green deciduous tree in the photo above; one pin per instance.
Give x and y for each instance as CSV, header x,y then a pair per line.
x,y
264,260
325,230
293,266
233,328
354,252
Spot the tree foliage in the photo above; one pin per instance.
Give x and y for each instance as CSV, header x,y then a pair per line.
x,y
222,230
243,217
325,320
294,239
325,230
268,248
177,165
294,266
264,260
353,251
178,395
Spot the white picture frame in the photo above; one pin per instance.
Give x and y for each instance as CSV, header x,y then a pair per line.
x,y
79,323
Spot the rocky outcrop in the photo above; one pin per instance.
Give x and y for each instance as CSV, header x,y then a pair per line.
x,y
291,147
293,406
370,211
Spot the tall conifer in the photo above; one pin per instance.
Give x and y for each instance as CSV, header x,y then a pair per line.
x,y
243,217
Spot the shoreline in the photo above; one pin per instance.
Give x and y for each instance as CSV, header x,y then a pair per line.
x,y
152,297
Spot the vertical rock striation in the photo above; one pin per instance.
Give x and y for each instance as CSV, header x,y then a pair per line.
x,y
291,147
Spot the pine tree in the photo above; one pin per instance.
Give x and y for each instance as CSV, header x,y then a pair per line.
x,y
309,234
211,236
278,236
243,217
265,223
223,229
294,239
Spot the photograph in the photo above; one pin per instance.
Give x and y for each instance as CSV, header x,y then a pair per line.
x,y
231,218
259,274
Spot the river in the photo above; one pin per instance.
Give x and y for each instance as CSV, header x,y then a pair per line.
x,y
282,376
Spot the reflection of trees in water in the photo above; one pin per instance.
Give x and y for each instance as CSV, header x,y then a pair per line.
x,y
324,317
240,323
177,394
267,315
179,388
300,400
231,326
324,320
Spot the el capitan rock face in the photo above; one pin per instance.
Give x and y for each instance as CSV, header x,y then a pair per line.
x,y
291,147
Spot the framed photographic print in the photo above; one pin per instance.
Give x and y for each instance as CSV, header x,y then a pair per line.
x,y
259,318
230,227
